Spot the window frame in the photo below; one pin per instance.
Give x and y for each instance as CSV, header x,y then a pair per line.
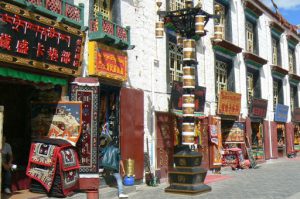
x,y
276,51
291,55
175,54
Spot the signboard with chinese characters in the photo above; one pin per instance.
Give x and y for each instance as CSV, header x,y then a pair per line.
x,y
107,62
296,115
229,103
281,113
259,108
236,134
31,40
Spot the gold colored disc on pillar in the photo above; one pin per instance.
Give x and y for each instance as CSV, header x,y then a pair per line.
x,y
188,81
189,70
159,29
199,24
189,50
218,33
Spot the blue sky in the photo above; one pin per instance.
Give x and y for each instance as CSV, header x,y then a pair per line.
x,y
290,9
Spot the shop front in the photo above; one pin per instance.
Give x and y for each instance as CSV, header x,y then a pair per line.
x,y
280,132
121,110
232,131
296,129
38,58
255,128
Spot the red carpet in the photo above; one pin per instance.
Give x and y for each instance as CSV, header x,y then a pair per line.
x,y
215,178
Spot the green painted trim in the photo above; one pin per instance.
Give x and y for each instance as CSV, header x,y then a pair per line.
x,y
276,33
224,2
8,72
111,40
277,75
250,15
225,51
294,82
254,64
292,44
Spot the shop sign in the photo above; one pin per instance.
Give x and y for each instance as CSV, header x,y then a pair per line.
x,y
281,113
236,133
35,41
229,103
107,62
296,115
259,108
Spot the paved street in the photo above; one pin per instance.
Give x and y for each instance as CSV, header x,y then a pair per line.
x,y
275,179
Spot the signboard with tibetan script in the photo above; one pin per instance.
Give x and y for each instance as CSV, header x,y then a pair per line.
x,y
281,113
296,115
31,40
259,108
107,62
229,103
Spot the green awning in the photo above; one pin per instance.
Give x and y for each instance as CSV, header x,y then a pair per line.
x,y
8,72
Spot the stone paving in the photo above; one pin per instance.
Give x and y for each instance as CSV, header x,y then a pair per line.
x,y
275,179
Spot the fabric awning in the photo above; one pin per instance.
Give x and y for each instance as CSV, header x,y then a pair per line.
x,y
8,72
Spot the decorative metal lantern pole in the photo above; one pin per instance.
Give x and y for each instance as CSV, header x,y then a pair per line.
x,y
189,23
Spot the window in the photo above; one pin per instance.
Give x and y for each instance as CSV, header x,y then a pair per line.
x,y
249,37
275,93
175,62
275,52
293,97
292,61
177,4
221,75
250,87
104,8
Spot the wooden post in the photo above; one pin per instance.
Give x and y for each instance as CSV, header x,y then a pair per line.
x,y
1,135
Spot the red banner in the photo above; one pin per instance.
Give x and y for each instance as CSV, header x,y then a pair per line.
x,y
229,103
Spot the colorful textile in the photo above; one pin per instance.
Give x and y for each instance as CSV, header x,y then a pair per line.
x,y
43,154
42,163
55,167
87,91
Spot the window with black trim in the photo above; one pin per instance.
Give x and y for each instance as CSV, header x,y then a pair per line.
x,y
253,84
103,7
251,37
176,4
293,97
175,62
292,61
277,93
224,74
222,10
276,55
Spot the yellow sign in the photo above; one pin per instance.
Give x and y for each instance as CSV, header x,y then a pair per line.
x,y
107,62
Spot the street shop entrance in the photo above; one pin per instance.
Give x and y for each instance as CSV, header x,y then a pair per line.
x,y
257,141
297,137
16,97
281,139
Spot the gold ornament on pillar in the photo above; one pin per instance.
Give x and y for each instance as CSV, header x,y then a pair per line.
x,y
159,29
199,24
158,3
218,33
